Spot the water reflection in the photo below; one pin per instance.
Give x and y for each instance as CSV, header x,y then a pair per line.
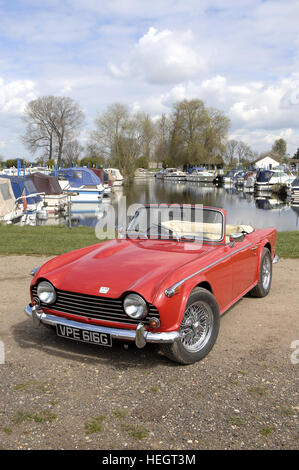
x,y
242,207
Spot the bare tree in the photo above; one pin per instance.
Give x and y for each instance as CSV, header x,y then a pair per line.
x,y
72,151
51,121
231,151
244,152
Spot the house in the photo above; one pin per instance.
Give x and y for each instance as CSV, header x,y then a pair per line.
x,y
266,163
294,164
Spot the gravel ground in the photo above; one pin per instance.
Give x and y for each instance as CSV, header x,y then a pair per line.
x,y
59,394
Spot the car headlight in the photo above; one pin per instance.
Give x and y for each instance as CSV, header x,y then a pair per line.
x,y
135,306
46,292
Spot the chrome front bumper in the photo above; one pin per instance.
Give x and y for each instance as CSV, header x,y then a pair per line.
x,y
140,336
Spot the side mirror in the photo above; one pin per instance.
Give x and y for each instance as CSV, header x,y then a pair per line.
x,y
236,237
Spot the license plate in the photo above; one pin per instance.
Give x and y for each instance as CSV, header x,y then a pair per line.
x,y
86,336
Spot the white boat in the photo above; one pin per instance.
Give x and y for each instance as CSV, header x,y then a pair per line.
x,y
201,176
266,179
174,174
83,186
142,173
20,202
160,174
116,177
295,191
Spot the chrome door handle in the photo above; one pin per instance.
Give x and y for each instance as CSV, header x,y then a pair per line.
x,y
254,248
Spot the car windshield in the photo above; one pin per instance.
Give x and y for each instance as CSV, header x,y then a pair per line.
x,y
177,222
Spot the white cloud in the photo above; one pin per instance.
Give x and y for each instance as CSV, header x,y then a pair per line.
x,y
14,95
161,57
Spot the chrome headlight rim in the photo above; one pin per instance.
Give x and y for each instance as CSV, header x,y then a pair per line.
x,y
46,292
135,306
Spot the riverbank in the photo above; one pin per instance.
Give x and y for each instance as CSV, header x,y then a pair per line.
x,y
55,240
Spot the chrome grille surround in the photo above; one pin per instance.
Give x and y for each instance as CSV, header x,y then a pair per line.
x,y
94,307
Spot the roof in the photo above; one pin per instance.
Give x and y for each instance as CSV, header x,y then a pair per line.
x,y
79,176
44,183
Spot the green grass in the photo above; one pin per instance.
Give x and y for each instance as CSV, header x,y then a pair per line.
x,y
55,240
44,240
93,425
288,244
41,417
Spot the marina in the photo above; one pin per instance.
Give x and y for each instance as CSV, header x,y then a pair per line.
x,y
79,196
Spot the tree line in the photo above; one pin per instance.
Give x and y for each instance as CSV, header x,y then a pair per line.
x,y
191,135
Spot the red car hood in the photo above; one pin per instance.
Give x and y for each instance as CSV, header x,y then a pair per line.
x,y
120,265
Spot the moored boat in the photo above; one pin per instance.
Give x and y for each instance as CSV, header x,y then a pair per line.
x,y
174,174
295,191
117,178
266,179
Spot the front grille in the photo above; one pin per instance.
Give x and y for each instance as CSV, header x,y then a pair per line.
x,y
91,306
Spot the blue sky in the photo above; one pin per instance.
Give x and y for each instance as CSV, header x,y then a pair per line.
x,y
239,56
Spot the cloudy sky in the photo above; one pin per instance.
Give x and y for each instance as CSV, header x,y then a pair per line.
x,y
241,56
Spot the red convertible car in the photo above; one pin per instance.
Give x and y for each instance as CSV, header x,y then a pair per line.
x,y
167,281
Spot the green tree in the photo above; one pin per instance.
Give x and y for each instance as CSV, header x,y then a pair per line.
x,y
197,134
280,147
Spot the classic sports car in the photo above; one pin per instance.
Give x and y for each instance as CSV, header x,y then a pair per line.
x,y
167,281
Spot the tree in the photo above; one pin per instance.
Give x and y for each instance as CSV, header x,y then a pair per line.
x,y
231,151
280,147
296,155
147,132
51,121
72,152
198,133
162,136
121,137
244,153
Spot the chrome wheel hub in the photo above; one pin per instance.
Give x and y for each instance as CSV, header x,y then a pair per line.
x,y
196,327
266,273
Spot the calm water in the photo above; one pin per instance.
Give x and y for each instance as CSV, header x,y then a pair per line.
x,y
241,207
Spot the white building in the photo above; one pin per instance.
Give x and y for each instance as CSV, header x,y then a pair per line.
x,y
266,163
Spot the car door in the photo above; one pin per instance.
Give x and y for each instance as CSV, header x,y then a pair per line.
x,y
244,261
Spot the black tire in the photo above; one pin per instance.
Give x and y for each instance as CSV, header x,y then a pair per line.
x,y
202,313
265,278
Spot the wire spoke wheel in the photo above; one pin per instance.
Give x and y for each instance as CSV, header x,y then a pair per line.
x,y
266,273
197,325
199,328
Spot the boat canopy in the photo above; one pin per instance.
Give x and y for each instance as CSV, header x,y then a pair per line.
x,y
22,186
102,174
45,184
7,198
79,176
263,176
296,181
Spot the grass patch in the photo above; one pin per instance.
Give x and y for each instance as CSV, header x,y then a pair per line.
x,y
137,432
55,240
258,391
7,430
237,420
266,430
94,425
31,384
285,411
41,417
288,244
120,413
44,240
